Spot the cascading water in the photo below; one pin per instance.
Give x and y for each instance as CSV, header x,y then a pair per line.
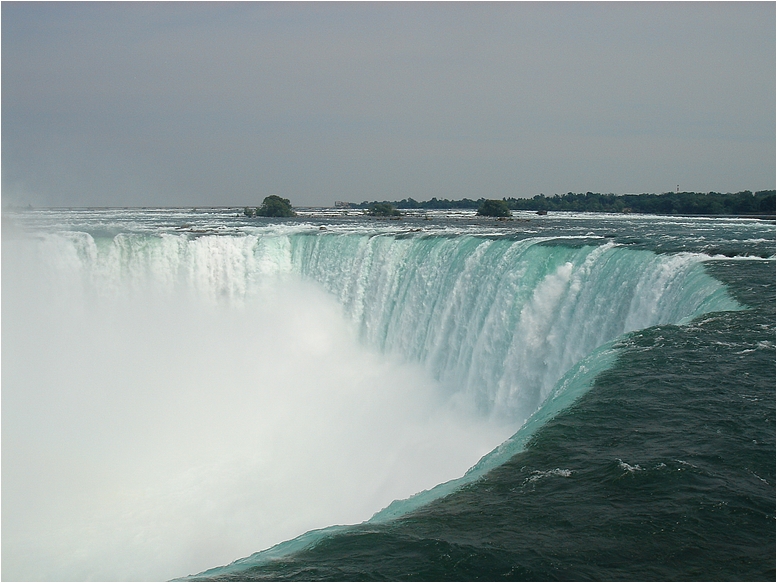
x,y
501,321
498,321
171,370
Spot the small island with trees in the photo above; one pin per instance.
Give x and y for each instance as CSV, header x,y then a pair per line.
x,y
272,206
382,209
494,208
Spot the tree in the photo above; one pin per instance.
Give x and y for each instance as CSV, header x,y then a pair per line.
x,y
494,208
275,206
382,209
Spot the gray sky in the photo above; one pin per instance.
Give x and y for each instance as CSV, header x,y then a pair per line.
x,y
221,104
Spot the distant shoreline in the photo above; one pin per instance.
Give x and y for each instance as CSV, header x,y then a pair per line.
x,y
744,204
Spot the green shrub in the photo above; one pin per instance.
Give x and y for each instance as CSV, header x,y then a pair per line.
x,y
275,206
494,208
382,209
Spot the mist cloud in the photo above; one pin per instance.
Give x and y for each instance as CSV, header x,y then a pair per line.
x,y
149,433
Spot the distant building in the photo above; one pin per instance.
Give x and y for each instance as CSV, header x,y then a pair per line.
x,y
342,205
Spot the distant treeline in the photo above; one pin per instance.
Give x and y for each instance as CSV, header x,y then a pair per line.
x,y
679,203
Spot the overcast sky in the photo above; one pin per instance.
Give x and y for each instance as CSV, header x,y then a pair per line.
x,y
223,104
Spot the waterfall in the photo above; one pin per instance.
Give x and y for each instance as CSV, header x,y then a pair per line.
x,y
172,401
